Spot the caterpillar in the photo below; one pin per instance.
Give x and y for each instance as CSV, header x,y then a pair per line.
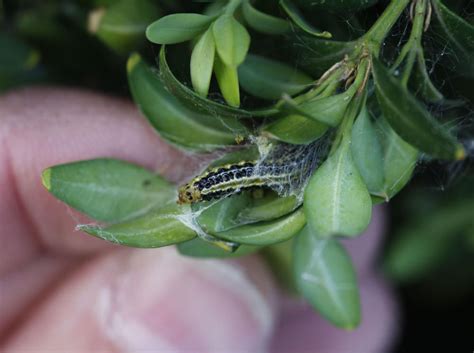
x,y
286,168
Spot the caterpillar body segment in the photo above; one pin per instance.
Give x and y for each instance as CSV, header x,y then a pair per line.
x,y
286,167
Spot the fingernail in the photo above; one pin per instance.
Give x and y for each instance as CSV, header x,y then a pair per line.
x,y
164,302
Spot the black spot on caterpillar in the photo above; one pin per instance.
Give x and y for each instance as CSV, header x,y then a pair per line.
x,y
286,168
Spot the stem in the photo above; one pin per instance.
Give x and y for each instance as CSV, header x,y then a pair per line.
x,y
329,90
403,53
384,24
415,39
343,134
345,128
329,85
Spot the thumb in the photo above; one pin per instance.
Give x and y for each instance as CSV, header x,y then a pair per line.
x,y
42,127
158,301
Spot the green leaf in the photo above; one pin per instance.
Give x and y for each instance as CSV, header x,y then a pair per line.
x,y
269,79
325,276
199,103
410,119
263,22
337,5
200,248
399,159
237,210
123,25
294,128
419,248
108,189
367,153
174,121
202,63
221,215
17,61
215,8
265,233
421,81
317,54
41,26
16,56
270,206
232,40
336,200
295,15
228,81
327,110
376,200
177,28
155,229
280,259
458,34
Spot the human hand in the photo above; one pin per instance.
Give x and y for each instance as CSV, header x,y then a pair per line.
x,y
65,291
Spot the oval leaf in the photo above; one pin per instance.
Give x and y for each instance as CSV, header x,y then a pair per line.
x,y
326,110
399,159
317,54
269,79
410,119
421,247
108,189
266,233
280,258
162,227
421,82
124,23
367,153
294,128
270,206
220,215
295,15
263,22
174,121
228,81
458,34
177,28
202,62
336,200
197,102
214,8
325,276
232,40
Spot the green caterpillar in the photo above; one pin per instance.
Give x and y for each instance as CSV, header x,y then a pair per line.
x,y
286,167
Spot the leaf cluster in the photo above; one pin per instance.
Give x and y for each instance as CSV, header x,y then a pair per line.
x,y
245,89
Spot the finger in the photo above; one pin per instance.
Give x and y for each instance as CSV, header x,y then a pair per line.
x,y
155,300
27,286
300,329
46,126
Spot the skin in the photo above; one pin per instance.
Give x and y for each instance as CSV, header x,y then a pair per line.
x,y
63,290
